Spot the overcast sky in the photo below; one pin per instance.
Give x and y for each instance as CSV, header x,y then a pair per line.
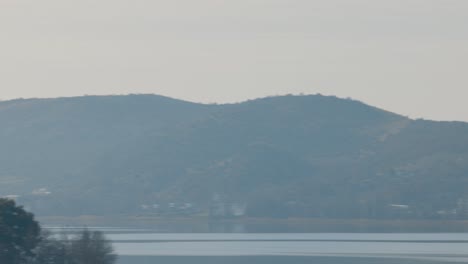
x,y
407,56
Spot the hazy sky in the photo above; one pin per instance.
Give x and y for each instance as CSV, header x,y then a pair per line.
x,y
407,56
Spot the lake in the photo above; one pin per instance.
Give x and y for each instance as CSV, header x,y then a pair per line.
x,y
146,246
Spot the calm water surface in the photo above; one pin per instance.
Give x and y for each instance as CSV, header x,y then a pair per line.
x,y
143,246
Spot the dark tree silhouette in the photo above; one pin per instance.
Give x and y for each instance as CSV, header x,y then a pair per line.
x,y
92,247
19,233
52,250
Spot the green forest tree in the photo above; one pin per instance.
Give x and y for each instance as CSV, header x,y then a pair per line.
x,y
87,247
92,247
19,233
22,242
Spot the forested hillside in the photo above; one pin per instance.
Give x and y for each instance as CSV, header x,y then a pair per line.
x,y
287,156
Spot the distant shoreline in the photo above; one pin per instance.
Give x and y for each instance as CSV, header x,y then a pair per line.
x,y
271,259
258,225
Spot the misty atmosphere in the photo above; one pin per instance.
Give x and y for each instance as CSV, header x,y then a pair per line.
x,y
253,132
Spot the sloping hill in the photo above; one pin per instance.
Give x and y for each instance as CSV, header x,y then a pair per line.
x,y
279,156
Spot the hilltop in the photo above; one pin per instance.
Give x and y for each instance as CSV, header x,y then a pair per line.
x,y
285,156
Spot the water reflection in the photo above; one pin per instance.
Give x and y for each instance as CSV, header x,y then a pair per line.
x,y
155,245
446,247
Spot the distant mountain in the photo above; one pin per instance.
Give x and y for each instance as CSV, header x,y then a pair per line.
x,y
286,156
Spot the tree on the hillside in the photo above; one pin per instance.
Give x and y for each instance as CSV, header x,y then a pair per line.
x,y
91,247
19,233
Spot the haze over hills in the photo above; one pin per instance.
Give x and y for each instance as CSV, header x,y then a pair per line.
x,y
286,156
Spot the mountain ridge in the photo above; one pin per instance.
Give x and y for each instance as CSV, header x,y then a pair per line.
x,y
308,156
